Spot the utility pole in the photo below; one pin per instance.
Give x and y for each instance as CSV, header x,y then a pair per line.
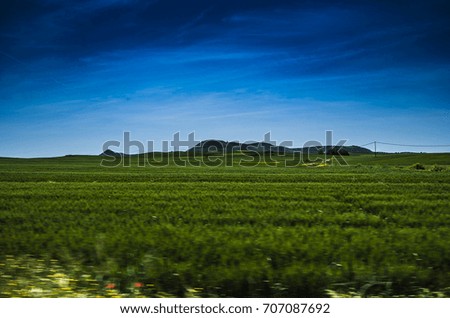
x,y
375,143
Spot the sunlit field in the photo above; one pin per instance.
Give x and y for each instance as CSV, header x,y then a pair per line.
x,y
379,227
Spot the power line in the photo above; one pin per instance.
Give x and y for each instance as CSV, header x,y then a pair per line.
x,y
374,143
401,145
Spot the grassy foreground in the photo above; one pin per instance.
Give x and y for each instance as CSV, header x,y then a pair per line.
x,y
378,227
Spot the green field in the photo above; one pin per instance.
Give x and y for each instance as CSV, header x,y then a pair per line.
x,y
378,227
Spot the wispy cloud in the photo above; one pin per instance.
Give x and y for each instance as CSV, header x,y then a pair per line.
x,y
83,71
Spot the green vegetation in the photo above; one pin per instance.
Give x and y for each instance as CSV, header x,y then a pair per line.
x,y
71,228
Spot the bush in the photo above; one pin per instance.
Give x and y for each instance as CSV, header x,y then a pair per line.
x,y
418,166
437,168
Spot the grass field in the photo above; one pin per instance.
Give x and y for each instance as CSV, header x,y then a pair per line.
x,y
378,227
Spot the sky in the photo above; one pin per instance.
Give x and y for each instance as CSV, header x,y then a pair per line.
x,y
76,74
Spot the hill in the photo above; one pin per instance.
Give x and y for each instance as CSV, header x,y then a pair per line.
x,y
110,153
220,146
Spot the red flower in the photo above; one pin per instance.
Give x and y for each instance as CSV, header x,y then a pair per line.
x,y
138,285
111,286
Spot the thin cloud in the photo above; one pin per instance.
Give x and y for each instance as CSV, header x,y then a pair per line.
x,y
299,67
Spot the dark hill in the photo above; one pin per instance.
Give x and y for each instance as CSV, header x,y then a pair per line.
x,y
110,153
215,146
220,146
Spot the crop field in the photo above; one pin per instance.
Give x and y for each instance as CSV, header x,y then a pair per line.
x,y
377,227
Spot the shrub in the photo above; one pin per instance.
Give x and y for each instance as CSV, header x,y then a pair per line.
x,y
418,166
437,168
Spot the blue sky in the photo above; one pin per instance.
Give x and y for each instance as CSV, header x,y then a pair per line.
x,y
74,74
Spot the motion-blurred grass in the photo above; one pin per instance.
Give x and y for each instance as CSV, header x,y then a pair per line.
x,y
71,228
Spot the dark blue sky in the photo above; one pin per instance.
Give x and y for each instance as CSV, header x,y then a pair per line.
x,y
74,74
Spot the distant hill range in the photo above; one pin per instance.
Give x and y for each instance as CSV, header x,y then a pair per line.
x,y
214,146
220,146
